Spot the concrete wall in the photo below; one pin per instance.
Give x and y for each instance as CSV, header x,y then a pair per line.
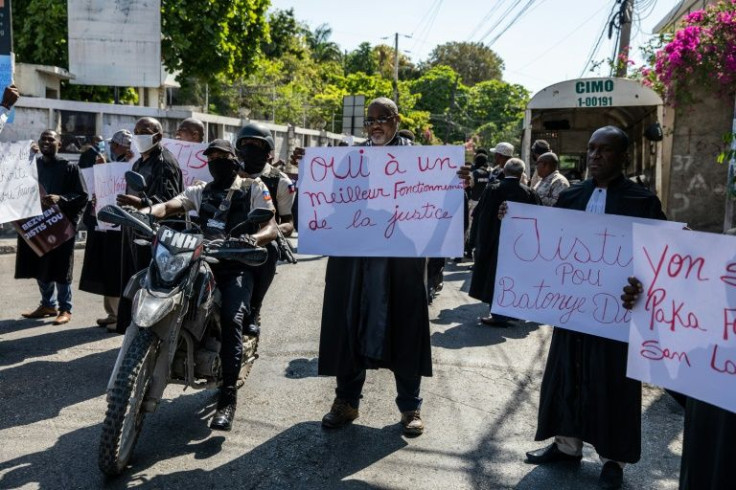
x,y
697,183
34,115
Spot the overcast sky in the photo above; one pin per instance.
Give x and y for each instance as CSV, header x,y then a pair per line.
x,y
550,42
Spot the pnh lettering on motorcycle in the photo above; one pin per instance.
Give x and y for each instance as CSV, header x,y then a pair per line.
x,y
178,240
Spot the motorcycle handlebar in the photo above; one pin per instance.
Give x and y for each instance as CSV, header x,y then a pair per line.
x,y
118,216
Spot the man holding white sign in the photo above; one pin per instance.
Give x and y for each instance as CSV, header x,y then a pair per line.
x,y
375,310
585,393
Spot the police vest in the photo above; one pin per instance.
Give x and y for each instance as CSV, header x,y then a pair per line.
x,y
218,217
481,177
272,183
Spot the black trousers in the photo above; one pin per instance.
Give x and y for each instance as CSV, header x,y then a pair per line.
x,y
236,288
350,387
262,281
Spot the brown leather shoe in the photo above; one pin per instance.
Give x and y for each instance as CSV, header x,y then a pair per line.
x,y
341,413
412,422
40,312
64,317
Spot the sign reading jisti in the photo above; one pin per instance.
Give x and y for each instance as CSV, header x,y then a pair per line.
x,y
566,268
388,201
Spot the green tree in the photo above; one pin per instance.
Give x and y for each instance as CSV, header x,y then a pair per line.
x,y
442,94
362,60
496,110
207,38
284,35
475,62
322,48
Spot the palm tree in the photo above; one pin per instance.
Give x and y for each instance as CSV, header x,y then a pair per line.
x,y
322,48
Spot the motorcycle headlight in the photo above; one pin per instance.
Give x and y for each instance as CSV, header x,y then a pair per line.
x,y
169,265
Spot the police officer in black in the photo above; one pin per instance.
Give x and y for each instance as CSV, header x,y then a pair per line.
x,y
255,146
221,205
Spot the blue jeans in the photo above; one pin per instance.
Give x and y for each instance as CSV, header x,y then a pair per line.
x,y
64,294
349,388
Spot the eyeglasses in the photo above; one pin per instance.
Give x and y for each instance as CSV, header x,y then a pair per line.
x,y
369,121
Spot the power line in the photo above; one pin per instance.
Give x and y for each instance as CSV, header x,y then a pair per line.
x,y
606,25
422,36
500,19
513,21
573,31
485,19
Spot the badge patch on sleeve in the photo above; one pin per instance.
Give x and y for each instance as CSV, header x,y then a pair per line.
x,y
292,189
266,195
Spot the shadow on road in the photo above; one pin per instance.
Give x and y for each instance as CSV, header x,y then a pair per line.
x,y
14,351
301,368
302,456
41,389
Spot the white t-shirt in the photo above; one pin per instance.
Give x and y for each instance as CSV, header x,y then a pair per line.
x,y
4,114
260,198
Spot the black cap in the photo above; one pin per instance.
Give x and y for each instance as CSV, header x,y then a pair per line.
x,y
221,145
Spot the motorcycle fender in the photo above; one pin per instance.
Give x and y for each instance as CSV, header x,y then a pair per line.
x,y
130,334
150,309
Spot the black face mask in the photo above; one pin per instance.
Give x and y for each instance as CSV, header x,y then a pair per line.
x,y
221,169
254,158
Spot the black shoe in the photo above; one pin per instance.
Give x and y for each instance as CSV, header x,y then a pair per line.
x,y
550,454
251,329
612,476
223,419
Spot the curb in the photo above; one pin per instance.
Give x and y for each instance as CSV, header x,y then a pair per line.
x,y
10,249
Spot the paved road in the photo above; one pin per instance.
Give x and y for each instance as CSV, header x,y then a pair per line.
x,y
480,407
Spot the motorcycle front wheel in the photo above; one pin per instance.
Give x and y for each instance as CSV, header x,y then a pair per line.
x,y
124,417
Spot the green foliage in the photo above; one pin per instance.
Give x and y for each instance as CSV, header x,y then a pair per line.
x,y
40,32
361,60
323,50
284,36
210,37
474,62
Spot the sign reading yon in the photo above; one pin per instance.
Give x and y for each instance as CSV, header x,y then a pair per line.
x,y
566,268
683,331
388,201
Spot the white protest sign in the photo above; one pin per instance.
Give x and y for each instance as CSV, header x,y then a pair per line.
x,y
109,182
388,201
683,329
19,193
566,268
192,162
89,179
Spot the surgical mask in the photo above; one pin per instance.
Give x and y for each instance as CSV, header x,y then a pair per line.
x,y
254,158
221,169
143,142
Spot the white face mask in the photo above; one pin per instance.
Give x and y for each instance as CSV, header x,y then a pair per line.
x,y
143,142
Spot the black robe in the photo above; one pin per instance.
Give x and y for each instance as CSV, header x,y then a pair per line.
x,y
57,176
101,266
488,229
708,450
375,314
585,392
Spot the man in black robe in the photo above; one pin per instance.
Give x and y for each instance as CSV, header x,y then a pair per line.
x,y
163,182
375,313
101,266
65,187
585,393
488,230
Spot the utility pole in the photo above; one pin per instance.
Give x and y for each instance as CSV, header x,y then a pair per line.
x,y
396,68
396,65
625,19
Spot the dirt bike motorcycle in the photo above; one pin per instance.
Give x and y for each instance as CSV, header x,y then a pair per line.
x,y
175,334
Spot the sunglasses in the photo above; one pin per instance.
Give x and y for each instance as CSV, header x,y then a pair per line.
x,y
369,121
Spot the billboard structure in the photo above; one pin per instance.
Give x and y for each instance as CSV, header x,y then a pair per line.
x,y
115,43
